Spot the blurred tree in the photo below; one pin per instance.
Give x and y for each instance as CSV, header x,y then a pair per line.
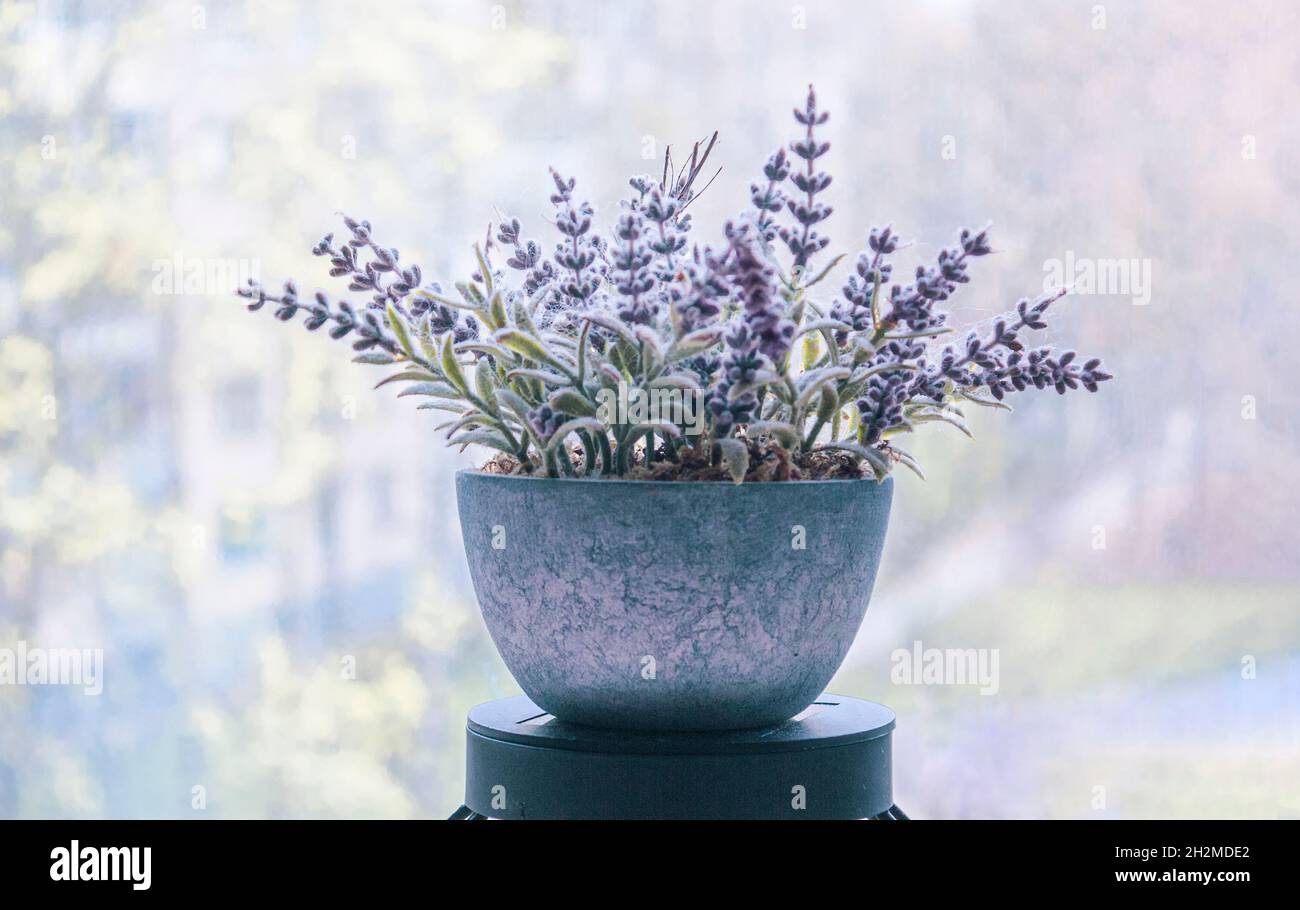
x,y
149,502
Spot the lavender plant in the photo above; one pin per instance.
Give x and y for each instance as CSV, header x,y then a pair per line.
x,y
530,354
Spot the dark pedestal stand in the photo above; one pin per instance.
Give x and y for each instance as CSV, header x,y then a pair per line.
x,y
830,762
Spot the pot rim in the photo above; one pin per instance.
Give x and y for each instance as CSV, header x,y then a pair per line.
x,y
634,482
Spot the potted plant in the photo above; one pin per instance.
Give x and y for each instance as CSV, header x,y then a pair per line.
x,y
684,512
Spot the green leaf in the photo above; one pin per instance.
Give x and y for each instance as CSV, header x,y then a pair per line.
x,y
424,334
506,357
474,419
797,305
441,405
854,422
473,296
484,270
420,375
906,460
546,376
812,351
609,375
582,352
523,315
826,271
614,324
567,401
485,383
490,438
786,433
923,333
560,345
829,325
984,402
614,352
932,416
572,426
401,330
450,367
377,358
650,343
879,463
653,426
497,311
513,402
693,343
901,429
860,349
862,373
735,456
431,389
526,345
685,381
929,407
829,404
811,383
858,381
445,301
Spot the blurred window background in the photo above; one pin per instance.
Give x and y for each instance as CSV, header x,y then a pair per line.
x,y
267,552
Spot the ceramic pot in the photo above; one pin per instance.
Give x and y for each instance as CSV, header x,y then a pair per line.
x,y
672,605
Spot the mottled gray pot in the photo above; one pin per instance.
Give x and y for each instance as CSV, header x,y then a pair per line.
x,y
672,606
